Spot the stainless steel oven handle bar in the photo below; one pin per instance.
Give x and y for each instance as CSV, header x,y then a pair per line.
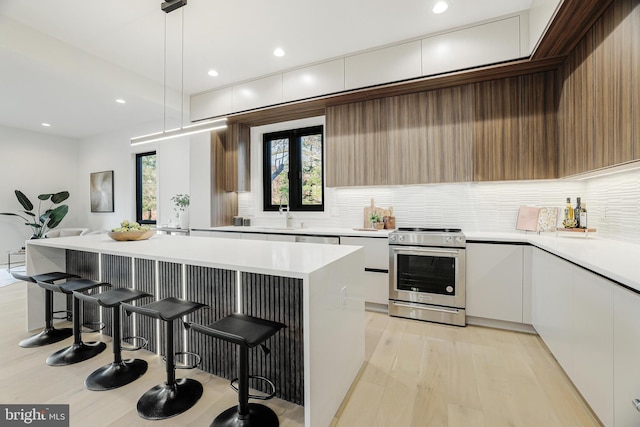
x,y
421,251
443,310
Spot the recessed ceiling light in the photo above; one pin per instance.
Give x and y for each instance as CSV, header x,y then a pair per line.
x,y
278,52
121,101
46,125
440,7
213,73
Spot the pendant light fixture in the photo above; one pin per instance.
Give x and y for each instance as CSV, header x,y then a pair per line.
x,y
198,127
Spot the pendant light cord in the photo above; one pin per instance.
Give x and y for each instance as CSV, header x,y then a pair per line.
x,y
164,79
182,73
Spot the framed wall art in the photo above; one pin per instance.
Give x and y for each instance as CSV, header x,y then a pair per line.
x,y
101,191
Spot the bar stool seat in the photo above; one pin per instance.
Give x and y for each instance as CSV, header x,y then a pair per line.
x,y
247,332
49,334
172,397
78,351
119,372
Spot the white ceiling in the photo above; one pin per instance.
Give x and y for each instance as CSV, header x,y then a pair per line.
x,y
65,62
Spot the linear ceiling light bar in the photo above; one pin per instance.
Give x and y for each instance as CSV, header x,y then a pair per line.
x,y
170,6
209,125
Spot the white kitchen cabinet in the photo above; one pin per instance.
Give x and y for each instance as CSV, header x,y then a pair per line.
x,y
384,65
626,353
592,339
471,47
211,104
552,305
257,93
376,257
281,237
253,236
494,281
315,80
572,311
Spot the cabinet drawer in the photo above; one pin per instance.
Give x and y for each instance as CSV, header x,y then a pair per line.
x,y
376,251
376,288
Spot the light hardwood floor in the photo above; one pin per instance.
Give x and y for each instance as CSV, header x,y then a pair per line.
x,y
416,374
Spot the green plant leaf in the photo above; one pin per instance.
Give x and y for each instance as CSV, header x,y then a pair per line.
x,y
9,213
60,197
57,215
29,213
33,224
24,200
44,196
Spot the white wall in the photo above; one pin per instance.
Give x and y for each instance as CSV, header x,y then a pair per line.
x,y
540,14
35,163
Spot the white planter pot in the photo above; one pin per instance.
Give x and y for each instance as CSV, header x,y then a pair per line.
x,y
183,217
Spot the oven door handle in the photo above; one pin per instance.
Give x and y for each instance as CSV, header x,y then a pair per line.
x,y
423,251
431,308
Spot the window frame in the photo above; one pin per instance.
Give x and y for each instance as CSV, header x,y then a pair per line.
x,y
139,157
295,168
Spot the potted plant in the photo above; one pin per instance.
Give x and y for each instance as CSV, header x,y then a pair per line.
x,y
41,222
376,220
181,202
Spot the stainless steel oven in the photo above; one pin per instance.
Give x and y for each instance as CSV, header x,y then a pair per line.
x,y
427,275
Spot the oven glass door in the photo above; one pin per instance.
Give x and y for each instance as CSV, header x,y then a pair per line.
x,y
432,274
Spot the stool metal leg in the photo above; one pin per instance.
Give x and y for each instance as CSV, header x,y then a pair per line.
x,y
49,334
118,373
174,396
78,351
245,414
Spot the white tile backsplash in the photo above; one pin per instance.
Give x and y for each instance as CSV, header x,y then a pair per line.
x,y
613,203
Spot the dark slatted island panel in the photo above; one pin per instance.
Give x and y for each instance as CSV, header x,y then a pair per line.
x,y
170,281
278,299
116,270
85,265
217,289
145,280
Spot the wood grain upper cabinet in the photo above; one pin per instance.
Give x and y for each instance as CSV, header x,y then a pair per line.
x,y
497,130
356,144
237,158
540,126
613,107
430,136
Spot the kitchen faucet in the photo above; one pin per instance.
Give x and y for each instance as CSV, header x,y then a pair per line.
x,y
285,209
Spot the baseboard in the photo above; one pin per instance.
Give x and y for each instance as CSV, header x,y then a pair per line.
x,y
501,324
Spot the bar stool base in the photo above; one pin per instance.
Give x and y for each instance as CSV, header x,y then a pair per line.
x,y
259,415
115,375
165,401
46,337
76,353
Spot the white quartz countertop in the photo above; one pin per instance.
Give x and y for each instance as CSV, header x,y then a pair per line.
x,y
256,256
613,259
306,231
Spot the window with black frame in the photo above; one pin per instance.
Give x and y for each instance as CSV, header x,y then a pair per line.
x,y
293,169
146,188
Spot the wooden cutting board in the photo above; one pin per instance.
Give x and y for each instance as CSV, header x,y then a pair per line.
x,y
372,208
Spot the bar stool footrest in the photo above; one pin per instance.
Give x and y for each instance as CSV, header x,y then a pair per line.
x,y
131,341
255,396
188,354
88,328
56,315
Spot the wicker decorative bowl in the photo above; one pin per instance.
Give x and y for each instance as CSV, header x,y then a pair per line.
x,y
131,235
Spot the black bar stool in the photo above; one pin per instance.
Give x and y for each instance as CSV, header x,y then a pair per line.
x,y
49,334
172,397
119,372
247,332
78,351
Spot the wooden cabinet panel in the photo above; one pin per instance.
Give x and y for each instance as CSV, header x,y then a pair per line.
x,y
237,158
408,159
613,82
356,144
497,130
577,137
540,126
634,16
450,134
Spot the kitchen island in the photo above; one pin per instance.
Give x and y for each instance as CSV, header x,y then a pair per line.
x,y
316,290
